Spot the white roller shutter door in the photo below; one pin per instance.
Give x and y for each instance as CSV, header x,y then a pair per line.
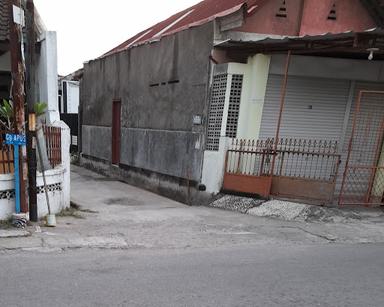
x,y
314,108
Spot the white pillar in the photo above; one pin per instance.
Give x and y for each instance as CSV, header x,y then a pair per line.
x,y
253,96
47,75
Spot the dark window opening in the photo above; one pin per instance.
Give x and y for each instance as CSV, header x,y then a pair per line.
x,y
282,13
332,14
164,83
174,82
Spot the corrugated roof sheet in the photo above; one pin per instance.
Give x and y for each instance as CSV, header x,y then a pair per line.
x,y
348,43
198,14
4,20
272,39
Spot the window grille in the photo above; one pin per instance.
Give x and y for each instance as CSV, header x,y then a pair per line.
x,y
215,116
234,106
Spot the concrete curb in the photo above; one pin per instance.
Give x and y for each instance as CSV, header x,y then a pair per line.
x,y
7,234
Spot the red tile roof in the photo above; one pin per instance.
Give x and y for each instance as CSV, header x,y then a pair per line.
x,y
198,14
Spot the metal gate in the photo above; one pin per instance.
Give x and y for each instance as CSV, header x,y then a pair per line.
x,y
363,178
294,168
247,167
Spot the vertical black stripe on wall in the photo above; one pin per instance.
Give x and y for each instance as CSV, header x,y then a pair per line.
x,y
65,97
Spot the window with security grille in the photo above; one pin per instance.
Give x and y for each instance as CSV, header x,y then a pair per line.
x,y
216,110
234,106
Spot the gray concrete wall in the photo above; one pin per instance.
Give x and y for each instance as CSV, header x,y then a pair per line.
x,y
157,116
167,152
97,135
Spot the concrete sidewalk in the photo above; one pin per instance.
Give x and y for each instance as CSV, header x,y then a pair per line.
x,y
114,215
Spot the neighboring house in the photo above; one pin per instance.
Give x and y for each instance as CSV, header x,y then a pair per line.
x,y
194,104
57,133
69,101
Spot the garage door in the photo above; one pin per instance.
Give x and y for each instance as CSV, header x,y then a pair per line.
x,y
314,108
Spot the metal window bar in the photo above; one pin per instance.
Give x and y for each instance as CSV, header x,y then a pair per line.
x,y
53,143
216,110
234,106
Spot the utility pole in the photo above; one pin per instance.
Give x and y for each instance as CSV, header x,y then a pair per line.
x,y
31,134
17,93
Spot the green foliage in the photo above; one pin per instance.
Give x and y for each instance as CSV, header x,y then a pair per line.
x,y
6,109
40,108
6,114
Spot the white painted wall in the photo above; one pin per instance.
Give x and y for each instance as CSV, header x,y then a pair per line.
x,y
46,75
59,200
213,167
256,73
66,161
56,198
255,80
213,164
7,206
5,62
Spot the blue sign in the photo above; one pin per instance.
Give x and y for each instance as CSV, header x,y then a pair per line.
x,y
15,139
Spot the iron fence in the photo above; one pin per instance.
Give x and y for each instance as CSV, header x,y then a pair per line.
x,y
53,144
6,155
296,158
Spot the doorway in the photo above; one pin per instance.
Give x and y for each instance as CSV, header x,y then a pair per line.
x,y
116,132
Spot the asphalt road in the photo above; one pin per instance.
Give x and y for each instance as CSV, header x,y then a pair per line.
x,y
259,275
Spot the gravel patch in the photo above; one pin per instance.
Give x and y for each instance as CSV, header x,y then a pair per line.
x,y
279,209
289,211
236,203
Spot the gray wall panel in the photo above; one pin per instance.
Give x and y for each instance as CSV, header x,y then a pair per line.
x,y
162,85
97,142
171,153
